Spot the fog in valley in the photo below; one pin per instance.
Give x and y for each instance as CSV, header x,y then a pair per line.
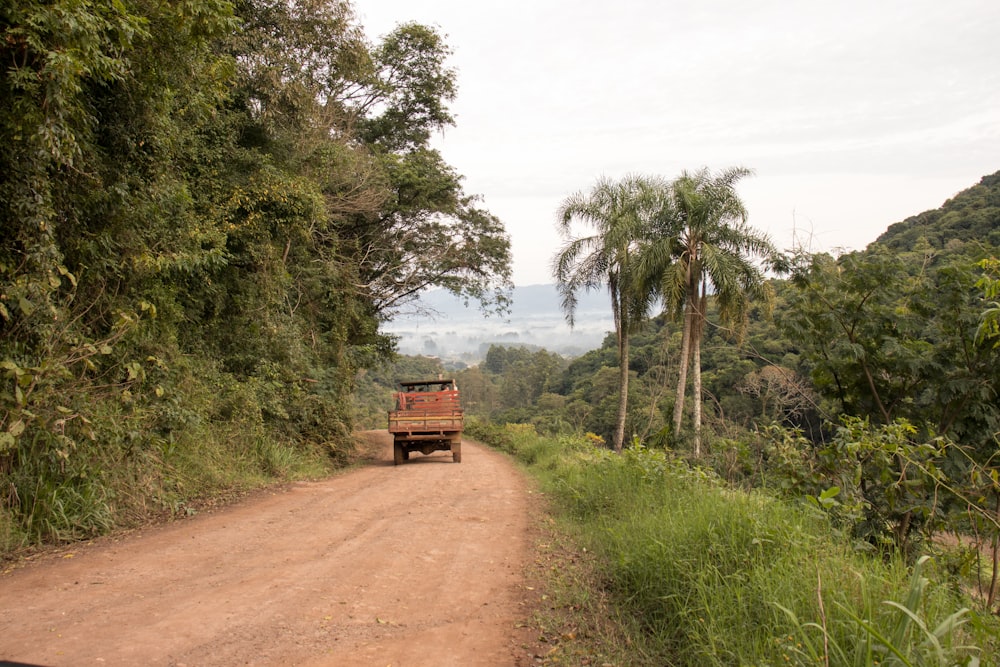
x,y
460,333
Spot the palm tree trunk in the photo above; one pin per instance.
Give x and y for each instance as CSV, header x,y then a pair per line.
x,y
619,439
696,389
697,329
682,375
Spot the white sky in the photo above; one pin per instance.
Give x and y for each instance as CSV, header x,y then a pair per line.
x,y
854,114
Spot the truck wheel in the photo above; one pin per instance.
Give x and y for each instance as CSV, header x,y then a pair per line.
x,y
456,452
398,453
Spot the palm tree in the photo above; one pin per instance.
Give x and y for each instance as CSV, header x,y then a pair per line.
x,y
704,246
621,214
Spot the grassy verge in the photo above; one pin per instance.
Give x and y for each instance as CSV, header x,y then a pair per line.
x,y
671,567
133,463
117,489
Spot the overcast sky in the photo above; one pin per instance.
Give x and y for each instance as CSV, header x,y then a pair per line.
x,y
854,114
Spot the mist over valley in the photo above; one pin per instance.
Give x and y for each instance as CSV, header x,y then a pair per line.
x,y
456,332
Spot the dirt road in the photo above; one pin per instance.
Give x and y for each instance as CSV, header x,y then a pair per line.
x,y
420,564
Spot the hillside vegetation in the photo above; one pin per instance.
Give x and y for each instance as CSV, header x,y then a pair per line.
x,y
670,566
970,216
207,209
855,422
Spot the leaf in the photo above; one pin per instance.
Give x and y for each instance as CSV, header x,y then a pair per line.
x,y
7,441
65,272
26,306
16,429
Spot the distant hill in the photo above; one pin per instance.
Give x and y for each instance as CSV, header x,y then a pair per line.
x,y
971,215
455,331
527,300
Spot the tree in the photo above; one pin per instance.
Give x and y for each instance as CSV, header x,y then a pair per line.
x,y
891,335
362,117
207,208
427,231
989,329
621,214
704,246
847,317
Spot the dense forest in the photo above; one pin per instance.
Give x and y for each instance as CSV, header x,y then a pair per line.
x,y
207,210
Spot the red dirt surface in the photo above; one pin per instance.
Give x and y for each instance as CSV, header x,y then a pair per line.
x,y
418,564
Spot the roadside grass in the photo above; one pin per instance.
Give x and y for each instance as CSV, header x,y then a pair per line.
x,y
59,493
574,620
681,570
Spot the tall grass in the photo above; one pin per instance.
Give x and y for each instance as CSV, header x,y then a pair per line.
x,y
140,461
904,640
704,575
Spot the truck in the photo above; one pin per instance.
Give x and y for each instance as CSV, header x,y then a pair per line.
x,y
428,418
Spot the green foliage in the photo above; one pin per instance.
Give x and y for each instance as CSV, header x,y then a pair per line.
x,y
904,640
698,573
413,85
671,242
207,210
889,338
989,329
702,243
519,440
881,483
971,217
894,341
864,343
870,401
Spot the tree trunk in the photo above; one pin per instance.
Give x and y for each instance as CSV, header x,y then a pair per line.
x,y
995,544
697,331
696,389
682,374
623,395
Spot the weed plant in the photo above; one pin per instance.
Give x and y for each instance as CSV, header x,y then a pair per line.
x,y
703,575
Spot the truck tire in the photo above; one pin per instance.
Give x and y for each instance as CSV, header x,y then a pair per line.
x,y
456,452
398,453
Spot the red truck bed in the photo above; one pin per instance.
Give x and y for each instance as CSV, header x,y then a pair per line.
x,y
428,417
428,412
